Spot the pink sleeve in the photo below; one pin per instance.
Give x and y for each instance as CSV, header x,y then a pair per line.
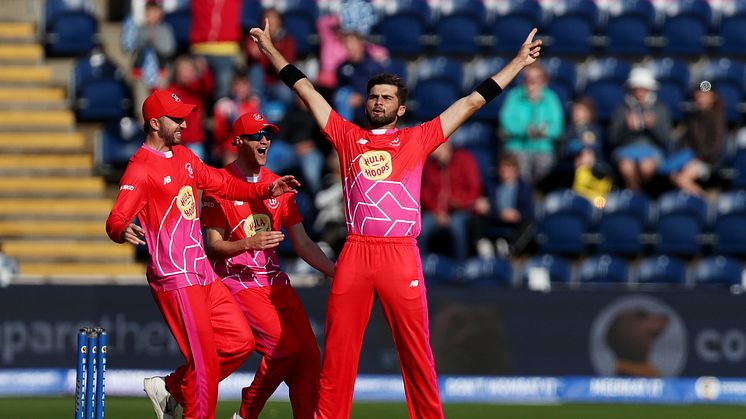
x,y
226,186
430,135
131,199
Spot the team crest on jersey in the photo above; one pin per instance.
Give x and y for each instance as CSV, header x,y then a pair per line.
x,y
272,203
189,169
255,223
376,164
186,203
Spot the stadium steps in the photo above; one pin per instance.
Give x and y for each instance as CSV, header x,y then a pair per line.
x,y
110,271
50,142
48,164
53,229
57,209
19,120
21,53
17,31
47,186
58,251
32,98
34,75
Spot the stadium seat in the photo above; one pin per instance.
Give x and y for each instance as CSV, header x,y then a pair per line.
x,y
398,67
181,22
477,271
563,79
564,220
622,223
71,33
402,26
481,140
685,27
511,22
717,270
458,27
571,27
739,169
117,141
604,82
629,27
732,32
655,270
680,222
439,84
438,269
557,267
480,69
673,78
299,17
99,90
603,269
729,224
251,14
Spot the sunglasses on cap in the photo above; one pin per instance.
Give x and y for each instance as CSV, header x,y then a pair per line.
x,y
269,135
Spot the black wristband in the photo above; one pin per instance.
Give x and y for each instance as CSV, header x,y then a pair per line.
x,y
290,75
489,89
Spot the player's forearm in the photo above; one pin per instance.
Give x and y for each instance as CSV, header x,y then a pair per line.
x,y
224,249
508,73
309,251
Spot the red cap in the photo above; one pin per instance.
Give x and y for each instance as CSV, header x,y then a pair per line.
x,y
164,103
251,123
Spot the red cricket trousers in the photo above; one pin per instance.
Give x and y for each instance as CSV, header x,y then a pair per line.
x,y
214,339
389,268
288,346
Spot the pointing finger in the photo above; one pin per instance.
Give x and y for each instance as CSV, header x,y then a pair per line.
x,y
530,37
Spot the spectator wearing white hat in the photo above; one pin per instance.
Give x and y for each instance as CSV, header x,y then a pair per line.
x,y
640,130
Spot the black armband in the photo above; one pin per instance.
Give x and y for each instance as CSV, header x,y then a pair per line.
x,y
290,75
489,89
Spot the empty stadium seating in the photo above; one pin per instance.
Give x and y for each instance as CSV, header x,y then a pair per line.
x,y
622,223
564,221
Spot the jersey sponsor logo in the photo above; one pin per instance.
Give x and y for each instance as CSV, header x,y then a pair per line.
x,y
273,203
255,223
395,142
376,164
189,169
167,180
186,203
237,203
127,188
208,204
362,141
414,283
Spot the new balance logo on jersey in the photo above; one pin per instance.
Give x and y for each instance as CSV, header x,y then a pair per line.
x,y
237,203
362,141
414,283
167,180
395,142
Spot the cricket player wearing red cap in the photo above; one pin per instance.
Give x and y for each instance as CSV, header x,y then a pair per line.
x,y
241,240
382,174
159,185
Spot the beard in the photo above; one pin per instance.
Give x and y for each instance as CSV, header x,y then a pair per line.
x,y
380,120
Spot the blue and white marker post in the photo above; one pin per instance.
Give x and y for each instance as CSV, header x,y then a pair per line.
x,y
80,377
100,373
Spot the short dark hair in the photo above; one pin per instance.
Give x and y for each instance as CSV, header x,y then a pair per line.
x,y
146,127
392,79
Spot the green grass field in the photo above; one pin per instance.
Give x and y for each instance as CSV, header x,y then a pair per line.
x,y
129,408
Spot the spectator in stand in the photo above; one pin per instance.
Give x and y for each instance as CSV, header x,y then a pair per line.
x,y
451,186
532,121
640,130
701,148
506,214
216,36
242,100
264,78
583,128
152,45
193,83
300,138
330,220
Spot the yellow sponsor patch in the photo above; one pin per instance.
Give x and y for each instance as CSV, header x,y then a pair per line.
x,y
376,165
186,203
255,223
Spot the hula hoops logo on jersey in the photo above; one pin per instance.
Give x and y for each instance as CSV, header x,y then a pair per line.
x,y
186,203
255,223
376,165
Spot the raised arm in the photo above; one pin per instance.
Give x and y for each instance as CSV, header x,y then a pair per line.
x,y
319,107
462,109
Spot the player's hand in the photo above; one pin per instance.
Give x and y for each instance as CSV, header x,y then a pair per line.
x,y
283,185
262,37
132,234
530,50
263,240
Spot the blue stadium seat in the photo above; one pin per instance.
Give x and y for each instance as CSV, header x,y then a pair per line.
x,y
661,269
571,26
53,7
481,68
439,269
477,271
511,23
718,270
99,90
564,219
439,84
604,82
563,79
557,267
299,18
603,269
733,31
629,27
402,26
71,33
181,22
680,222
398,67
728,78
251,14
729,226
481,140
739,169
673,78
685,27
459,25
622,223
118,140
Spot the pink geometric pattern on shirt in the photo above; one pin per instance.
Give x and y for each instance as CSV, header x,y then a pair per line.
x,y
258,268
378,211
